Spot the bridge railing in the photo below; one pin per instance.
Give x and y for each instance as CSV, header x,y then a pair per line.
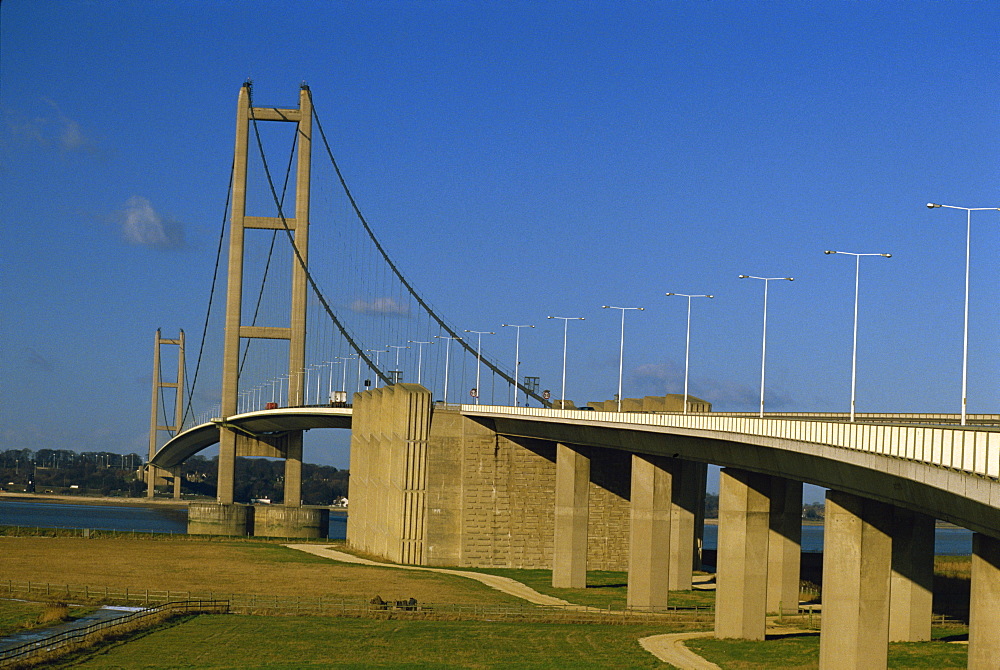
x,y
971,450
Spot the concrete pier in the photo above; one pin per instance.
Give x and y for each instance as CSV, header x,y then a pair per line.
x,y
911,586
857,548
984,633
649,542
741,577
219,519
569,550
784,546
291,521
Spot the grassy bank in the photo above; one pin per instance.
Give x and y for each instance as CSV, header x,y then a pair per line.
x,y
217,642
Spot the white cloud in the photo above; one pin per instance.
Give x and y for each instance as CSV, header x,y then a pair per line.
x,y
143,226
380,306
50,130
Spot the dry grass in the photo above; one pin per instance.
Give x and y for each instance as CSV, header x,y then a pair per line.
x,y
224,566
53,613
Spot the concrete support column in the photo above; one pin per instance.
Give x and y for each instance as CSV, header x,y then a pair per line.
x,y
856,572
911,586
177,483
984,603
741,577
784,545
569,559
293,470
685,500
650,537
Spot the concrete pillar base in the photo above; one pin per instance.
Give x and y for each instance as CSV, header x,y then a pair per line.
x,y
569,559
289,521
984,634
218,519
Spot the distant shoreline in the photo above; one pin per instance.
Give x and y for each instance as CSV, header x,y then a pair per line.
x,y
94,500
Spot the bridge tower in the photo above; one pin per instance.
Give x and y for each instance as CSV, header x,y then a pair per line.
x,y
233,443
155,427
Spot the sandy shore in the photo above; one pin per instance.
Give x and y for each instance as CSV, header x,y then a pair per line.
x,y
93,500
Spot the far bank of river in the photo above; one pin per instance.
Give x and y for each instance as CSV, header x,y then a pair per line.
x,y
170,516
121,514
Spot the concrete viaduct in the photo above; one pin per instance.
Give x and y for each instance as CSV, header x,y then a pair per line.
x,y
497,486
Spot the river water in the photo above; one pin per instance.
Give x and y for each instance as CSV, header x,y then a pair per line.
x,y
141,519
948,541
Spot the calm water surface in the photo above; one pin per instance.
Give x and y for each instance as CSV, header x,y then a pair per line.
x,y
947,541
114,517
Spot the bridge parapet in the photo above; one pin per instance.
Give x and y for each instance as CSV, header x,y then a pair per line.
x,y
970,450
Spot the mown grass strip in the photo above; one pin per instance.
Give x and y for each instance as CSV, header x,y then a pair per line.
x,y
216,642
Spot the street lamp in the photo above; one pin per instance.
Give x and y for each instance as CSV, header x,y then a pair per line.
x,y
479,354
965,337
687,346
376,368
565,320
397,347
763,344
343,383
621,349
517,354
854,355
447,352
420,356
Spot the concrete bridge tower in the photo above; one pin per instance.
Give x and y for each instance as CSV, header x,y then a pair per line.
x,y
155,427
290,519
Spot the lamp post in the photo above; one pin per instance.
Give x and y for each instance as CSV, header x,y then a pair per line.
x,y
343,383
763,344
479,354
565,320
687,345
517,353
621,349
447,352
377,352
397,347
420,356
854,354
965,336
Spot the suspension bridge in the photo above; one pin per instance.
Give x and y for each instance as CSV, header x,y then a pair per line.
x,y
497,484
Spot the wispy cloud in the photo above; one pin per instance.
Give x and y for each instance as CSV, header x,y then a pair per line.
x,y
50,130
142,226
380,306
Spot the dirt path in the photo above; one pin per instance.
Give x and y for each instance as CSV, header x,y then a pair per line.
x,y
504,584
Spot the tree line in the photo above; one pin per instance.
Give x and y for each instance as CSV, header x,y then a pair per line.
x,y
62,471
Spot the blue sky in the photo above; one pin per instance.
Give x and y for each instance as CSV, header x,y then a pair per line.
x,y
519,160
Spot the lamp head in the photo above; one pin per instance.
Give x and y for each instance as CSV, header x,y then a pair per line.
x,y
790,278
829,252
744,277
887,255
671,294
709,296
931,205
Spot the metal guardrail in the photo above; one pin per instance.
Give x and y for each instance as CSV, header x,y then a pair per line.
x,y
973,450
79,637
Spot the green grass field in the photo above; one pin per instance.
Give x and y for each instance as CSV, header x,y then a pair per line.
x,y
217,642
801,652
